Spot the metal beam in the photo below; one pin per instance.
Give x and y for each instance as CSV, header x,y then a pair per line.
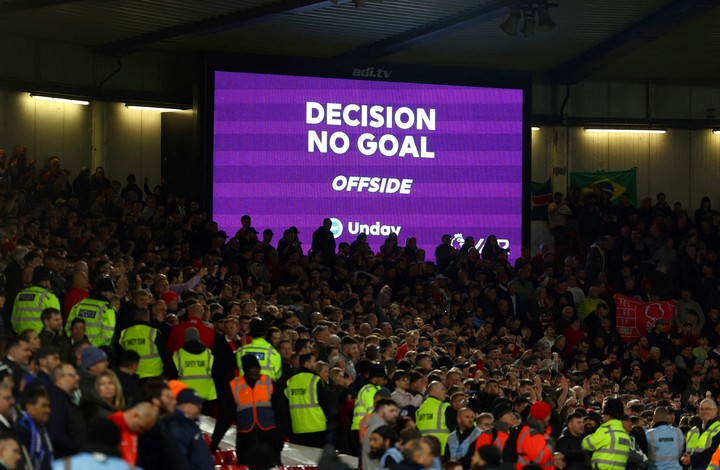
x,y
670,17
427,32
17,6
217,23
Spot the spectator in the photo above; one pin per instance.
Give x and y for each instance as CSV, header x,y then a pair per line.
x,y
183,425
32,431
131,423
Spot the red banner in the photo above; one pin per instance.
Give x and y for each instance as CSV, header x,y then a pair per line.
x,y
636,318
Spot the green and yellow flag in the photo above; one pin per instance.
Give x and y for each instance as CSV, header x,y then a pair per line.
x,y
614,183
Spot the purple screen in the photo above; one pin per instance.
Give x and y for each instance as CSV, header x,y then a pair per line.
x,y
377,157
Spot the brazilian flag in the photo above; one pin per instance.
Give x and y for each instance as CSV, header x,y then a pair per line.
x,y
614,183
541,197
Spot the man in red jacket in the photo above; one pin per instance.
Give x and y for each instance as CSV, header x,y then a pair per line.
x,y
532,445
132,422
177,334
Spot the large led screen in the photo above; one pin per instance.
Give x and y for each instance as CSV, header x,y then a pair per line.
x,y
416,160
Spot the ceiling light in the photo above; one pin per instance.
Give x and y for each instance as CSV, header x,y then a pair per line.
x,y
510,25
545,23
536,14
534,128
716,131
160,109
626,130
59,99
528,28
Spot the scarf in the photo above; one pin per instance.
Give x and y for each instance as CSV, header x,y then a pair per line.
x,y
39,446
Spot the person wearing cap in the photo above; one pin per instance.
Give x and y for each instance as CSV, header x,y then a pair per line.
x,y
97,312
253,394
431,417
385,413
610,444
497,435
461,443
531,442
194,363
268,357
30,302
183,426
195,313
307,401
365,400
148,342
701,441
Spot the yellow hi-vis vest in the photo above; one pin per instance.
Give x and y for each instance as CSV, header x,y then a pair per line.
x,y
610,445
194,370
28,306
266,354
363,404
99,319
430,420
698,441
306,414
141,339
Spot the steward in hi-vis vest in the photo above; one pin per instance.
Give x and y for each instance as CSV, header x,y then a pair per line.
x,y
194,365
30,302
266,354
148,342
305,392
701,441
99,316
430,417
610,444
256,424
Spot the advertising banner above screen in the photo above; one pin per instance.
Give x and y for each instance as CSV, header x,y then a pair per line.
x,y
416,160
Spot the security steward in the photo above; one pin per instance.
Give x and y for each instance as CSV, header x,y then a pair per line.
x,y
462,441
307,399
665,442
253,393
531,444
30,302
498,434
365,401
266,354
430,418
97,312
701,442
147,341
194,365
610,444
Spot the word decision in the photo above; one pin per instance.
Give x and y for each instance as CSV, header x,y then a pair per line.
x,y
376,117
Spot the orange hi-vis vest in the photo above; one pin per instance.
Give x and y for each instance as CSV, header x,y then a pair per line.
x,y
492,437
254,408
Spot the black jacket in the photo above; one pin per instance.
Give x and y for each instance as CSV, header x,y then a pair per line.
x,y
66,427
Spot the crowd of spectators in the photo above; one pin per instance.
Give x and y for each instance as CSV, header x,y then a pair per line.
x,y
484,330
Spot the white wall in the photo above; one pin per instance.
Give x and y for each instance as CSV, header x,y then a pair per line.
x,y
685,164
123,140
